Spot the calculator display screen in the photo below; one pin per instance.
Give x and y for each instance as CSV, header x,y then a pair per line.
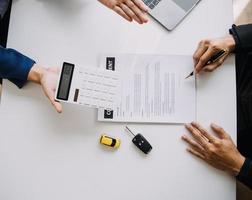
x,y
65,81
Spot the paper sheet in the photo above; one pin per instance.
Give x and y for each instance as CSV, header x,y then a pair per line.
x,y
153,89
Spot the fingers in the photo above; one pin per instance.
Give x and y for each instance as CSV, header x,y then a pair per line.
x,y
140,4
57,106
140,14
197,135
203,131
205,58
219,131
130,13
196,153
192,143
120,11
206,51
199,52
215,65
202,136
50,95
222,154
54,69
129,9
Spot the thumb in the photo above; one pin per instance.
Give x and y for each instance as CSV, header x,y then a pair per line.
x,y
219,131
50,94
56,70
57,105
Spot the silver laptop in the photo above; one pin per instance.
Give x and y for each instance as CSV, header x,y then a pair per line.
x,y
170,12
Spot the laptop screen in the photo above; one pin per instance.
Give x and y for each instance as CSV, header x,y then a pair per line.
x,y
185,4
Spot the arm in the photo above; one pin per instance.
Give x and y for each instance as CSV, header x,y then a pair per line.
x,y
14,66
243,37
245,174
19,68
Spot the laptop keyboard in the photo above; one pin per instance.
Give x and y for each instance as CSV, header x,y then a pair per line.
x,y
151,3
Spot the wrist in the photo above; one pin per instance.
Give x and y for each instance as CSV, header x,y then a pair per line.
x,y
239,163
230,42
35,74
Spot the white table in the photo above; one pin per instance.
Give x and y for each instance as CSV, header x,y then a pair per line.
x,y
46,156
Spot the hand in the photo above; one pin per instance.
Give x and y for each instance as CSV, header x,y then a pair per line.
x,y
208,48
47,78
220,151
128,9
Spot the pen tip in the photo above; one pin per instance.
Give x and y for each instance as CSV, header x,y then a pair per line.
x,y
191,74
188,76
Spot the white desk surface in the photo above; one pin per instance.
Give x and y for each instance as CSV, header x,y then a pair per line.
x,y
46,156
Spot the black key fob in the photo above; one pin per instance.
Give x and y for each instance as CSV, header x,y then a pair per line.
x,y
142,143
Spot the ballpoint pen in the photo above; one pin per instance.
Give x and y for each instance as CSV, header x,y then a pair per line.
x,y
213,59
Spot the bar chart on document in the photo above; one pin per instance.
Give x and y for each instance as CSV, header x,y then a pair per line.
x,y
153,89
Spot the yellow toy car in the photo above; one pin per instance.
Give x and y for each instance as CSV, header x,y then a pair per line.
x,y
109,141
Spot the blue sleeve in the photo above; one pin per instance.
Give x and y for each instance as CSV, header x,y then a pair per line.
x,y
14,66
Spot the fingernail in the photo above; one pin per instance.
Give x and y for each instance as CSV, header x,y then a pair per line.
x,y
214,125
189,150
188,126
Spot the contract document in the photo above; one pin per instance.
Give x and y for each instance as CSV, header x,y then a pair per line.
x,y
153,89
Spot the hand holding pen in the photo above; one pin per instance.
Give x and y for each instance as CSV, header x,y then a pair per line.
x,y
210,54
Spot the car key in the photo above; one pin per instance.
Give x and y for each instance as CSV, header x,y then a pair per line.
x,y
140,141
